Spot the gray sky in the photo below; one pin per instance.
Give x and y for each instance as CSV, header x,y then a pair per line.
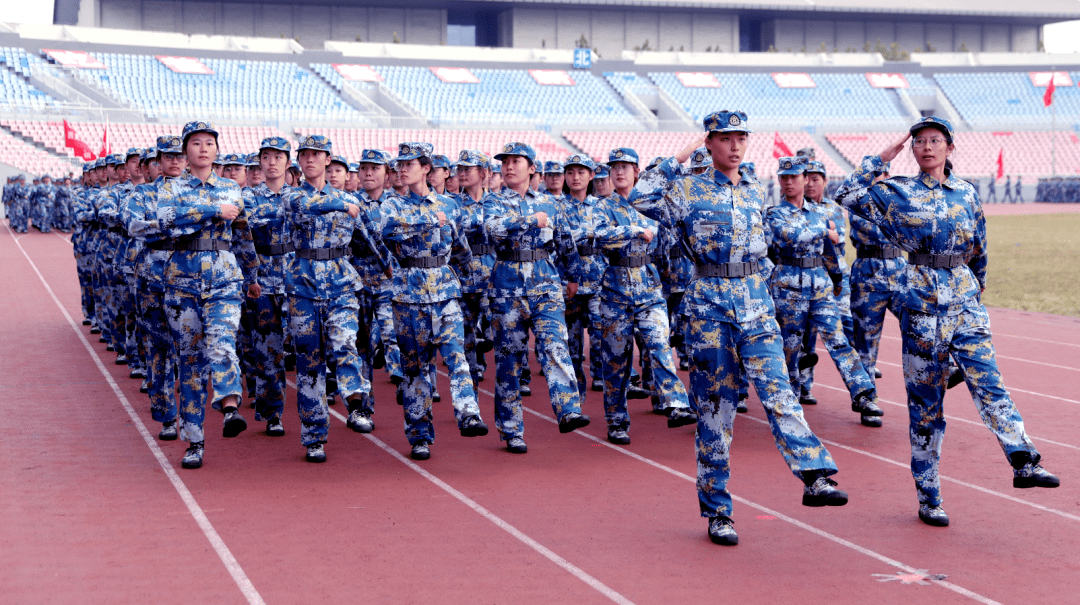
x,y
1060,37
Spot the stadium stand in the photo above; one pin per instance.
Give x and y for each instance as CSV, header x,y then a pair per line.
x,y
1001,99
233,139
24,156
837,97
507,96
237,90
15,89
447,142
1023,152
651,144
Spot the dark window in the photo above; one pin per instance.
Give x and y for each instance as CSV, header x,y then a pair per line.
x,y
750,35
466,27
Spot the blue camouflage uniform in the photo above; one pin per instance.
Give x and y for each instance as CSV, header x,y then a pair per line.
x,y
942,227
43,201
426,290
475,305
527,293
211,264
18,208
321,284
730,317
140,217
632,301
583,309
877,278
273,243
802,287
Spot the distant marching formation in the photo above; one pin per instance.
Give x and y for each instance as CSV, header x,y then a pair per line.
x,y
205,272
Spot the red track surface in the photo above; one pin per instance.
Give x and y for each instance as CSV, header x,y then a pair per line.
x,y
89,514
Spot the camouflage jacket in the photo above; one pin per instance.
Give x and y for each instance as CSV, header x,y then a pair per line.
x,y
618,230
875,273
411,230
801,232
269,228
584,217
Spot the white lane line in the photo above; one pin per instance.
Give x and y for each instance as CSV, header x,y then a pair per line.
x,y
68,240
574,570
1055,342
1010,388
231,564
1000,356
810,528
952,418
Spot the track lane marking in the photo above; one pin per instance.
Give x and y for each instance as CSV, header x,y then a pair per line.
x,y
810,528
1000,356
1010,388
222,550
521,536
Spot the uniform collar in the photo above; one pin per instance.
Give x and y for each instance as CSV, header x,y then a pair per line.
x,y
309,188
950,182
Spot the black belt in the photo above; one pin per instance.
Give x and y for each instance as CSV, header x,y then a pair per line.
x,y
637,260
201,245
165,244
880,252
322,253
422,262
587,250
274,249
119,230
936,261
728,269
803,262
523,256
482,249
677,252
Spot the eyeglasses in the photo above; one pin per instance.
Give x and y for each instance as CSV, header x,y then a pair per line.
x,y
932,142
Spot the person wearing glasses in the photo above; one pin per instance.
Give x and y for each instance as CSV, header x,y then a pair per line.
x,y
938,220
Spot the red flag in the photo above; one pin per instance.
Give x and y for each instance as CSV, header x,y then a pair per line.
x,y
71,141
779,149
1001,163
106,148
1048,96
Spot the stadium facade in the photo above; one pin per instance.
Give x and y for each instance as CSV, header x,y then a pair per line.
x,y
607,26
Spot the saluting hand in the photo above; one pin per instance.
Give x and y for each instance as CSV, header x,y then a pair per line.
x,y
894,150
229,212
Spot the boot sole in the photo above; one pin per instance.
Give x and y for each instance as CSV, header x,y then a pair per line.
x,y
674,423
819,501
724,540
234,427
573,425
475,431
1026,482
933,522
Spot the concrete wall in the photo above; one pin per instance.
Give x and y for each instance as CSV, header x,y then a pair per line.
x,y
911,36
612,31
311,23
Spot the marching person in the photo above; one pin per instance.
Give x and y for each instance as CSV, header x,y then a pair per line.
x,y
526,292
423,230
204,283
718,216
938,219
472,172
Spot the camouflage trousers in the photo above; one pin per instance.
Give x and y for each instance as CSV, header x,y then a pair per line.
x,y
868,308
204,333
716,349
796,318
160,358
18,218
423,330
128,320
618,324
268,353
323,331
843,308
473,308
43,217
677,321
928,342
366,337
383,331
583,312
83,266
511,320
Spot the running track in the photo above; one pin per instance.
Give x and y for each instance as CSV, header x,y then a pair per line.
x,y
94,510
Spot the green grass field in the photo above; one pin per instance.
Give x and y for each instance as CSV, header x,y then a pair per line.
x,y
1034,263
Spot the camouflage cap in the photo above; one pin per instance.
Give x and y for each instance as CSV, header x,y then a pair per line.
x,y
749,167
472,157
440,161
553,167
340,159
623,154
150,153
807,152
276,143
726,121
115,159
517,148
816,167
374,156
701,158
193,127
937,123
792,165
136,151
579,159
233,159
496,167
414,151
252,160
354,167
653,163
316,142
602,171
